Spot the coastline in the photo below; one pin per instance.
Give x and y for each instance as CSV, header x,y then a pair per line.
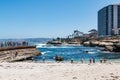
x,y
37,70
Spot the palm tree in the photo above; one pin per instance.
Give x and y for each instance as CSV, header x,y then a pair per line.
x,y
77,33
70,36
93,33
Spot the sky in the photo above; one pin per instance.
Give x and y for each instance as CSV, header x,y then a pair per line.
x,y
48,18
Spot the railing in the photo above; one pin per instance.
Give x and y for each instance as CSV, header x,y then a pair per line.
x,y
11,44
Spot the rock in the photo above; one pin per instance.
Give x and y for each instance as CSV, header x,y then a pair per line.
x,y
94,43
18,53
58,58
109,48
117,44
87,43
105,44
117,47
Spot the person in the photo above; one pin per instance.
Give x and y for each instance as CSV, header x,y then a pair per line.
x,y
100,60
32,58
90,60
86,52
105,60
43,59
16,53
71,60
55,58
81,60
93,60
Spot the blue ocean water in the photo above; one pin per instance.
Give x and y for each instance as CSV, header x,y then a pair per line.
x,y
74,52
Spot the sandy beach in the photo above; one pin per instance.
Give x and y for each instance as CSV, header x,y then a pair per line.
x,y
59,71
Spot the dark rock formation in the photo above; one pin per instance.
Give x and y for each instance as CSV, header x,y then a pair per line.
x,y
58,58
113,48
116,47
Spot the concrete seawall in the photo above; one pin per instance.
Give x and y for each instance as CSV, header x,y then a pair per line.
x,y
19,53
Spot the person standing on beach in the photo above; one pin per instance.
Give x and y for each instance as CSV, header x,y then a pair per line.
x,y
101,60
43,59
105,60
81,60
90,60
71,60
93,60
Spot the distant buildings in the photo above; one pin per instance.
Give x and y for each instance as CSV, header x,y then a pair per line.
x,y
109,20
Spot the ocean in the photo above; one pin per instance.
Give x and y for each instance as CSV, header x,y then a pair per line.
x,y
69,52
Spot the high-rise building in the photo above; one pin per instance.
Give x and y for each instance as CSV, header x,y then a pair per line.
x,y
109,20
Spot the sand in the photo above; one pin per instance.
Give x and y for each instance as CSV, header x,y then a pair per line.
x,y
59,71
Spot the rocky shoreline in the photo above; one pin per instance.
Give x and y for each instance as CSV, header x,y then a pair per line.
x,y
20,53
111,46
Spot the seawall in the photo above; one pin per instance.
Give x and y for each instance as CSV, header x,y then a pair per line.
x,y
19,53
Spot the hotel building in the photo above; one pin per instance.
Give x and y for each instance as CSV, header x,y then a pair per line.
x,y
109,20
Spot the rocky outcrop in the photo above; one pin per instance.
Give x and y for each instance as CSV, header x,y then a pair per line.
x,y
87,43
103,44
109,46
117,47
18,53
114,48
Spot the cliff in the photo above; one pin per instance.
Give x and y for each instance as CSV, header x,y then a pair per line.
x,y
18,53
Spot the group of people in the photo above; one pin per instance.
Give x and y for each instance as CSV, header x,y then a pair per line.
x,y
13,43
91,60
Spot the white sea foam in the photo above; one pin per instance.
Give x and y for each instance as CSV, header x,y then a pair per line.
x,y
106,52
43,45
55,47
45,52
52,46
40,45
91,52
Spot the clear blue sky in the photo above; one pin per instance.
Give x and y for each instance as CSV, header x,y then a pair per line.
x,y
48,18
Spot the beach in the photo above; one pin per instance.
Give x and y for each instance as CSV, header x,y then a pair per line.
x,y
59,71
